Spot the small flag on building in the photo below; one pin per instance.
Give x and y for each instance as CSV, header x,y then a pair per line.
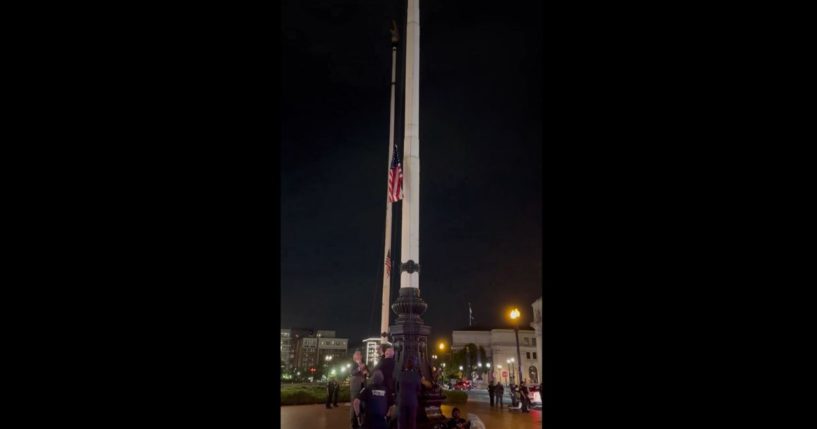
x,y
395,178
388,263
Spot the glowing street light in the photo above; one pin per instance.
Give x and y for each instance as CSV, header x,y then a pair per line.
x,y
460,367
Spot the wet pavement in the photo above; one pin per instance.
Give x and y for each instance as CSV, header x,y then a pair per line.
x,y
318,417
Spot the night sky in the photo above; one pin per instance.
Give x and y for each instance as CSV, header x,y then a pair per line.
x,y
481,100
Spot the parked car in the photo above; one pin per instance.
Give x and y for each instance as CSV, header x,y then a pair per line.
x,y
463,385
534,395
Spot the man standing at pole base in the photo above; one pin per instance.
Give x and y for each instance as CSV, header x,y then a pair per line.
x,y
359,372
374,399
386,366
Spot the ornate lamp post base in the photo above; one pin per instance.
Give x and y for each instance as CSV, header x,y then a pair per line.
x,y
410,339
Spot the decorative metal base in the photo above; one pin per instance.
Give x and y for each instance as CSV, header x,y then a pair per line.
x,y
410,339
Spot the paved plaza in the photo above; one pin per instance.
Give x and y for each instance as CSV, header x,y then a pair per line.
x,y
318,417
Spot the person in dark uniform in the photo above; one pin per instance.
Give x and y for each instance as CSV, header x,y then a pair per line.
x,y
491,388
514,397
330,390
499,391
386,367
523,393
374,398
359,372
335,390
409,387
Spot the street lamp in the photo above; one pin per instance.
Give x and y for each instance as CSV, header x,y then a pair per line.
x,y
441,346
515,317
510,368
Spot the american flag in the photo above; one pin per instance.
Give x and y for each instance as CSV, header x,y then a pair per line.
x,y
395,178
388,262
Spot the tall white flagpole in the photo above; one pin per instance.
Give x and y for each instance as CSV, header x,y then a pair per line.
x,y
410,237
388,254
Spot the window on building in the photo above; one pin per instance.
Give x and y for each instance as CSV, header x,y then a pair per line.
x,y
527,355
527,341
533,342
534,355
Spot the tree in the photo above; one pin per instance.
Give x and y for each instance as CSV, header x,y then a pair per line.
x,y
465,357
483,357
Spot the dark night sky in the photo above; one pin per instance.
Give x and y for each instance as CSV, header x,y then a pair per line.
x,y
481,100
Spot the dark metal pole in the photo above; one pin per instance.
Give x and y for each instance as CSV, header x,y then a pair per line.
x,y
518,354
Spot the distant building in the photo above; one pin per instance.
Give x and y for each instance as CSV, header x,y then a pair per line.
x,y
301,348
500,346
306,355
287,352
331,346
537,326
308,348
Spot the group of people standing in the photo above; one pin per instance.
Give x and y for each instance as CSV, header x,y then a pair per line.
x,y
496,390
374,404
383,398
518,394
